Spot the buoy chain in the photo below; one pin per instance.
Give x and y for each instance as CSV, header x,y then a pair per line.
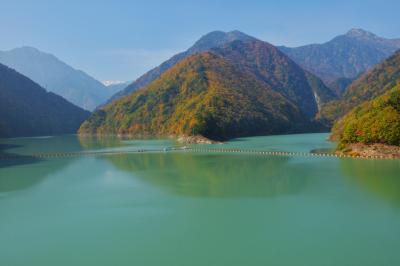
x,y
190,149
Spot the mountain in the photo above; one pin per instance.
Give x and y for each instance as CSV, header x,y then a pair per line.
x,y
116,86
26,109
370,85
205,95
375,121
56,76
273,68
262,59
205,43
345,56
340,85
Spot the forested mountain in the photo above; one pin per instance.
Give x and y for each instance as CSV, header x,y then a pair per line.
x,y
375,121
205,43
263,60
26,109
345,56
370,85
270,66
205,95
56,76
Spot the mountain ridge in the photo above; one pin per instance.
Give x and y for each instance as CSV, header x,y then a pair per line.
x,y
278,72
219,41
206,42
344,56
56,76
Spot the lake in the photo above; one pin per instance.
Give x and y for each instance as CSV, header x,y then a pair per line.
x,y
195,208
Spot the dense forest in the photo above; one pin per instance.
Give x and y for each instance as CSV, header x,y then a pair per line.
x,y
375,121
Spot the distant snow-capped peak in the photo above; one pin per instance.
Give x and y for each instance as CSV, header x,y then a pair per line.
x,y
112,82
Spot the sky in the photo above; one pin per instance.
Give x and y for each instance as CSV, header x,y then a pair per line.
x,y
121,40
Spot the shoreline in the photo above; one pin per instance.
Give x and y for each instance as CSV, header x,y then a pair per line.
x,y
376,150
182,139
198,139
353,150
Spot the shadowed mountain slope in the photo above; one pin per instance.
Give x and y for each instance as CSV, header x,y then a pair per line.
x,y
26,109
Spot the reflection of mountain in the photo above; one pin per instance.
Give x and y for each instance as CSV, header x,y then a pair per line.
x,y
22,171
56,144
94,142
199,175
25,176
9,159
378,177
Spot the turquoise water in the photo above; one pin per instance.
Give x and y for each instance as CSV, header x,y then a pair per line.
x,y
183,208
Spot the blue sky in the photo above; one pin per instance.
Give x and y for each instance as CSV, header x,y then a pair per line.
x,y
120,40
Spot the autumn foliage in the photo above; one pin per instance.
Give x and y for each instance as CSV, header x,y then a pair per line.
x,y
202,95
372,84
376,121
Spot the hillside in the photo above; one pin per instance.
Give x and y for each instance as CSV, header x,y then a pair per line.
x,y
340,85
205,43
264,61
273,68
26,109
345,56
375,121
370,85
56,76
201,95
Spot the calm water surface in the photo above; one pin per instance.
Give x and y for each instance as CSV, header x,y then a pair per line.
x,y
182,208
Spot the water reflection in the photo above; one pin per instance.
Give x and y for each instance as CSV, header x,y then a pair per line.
x,y
8,180
379,177
29,146
19,169
121,144
92,142
9,159
211,175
